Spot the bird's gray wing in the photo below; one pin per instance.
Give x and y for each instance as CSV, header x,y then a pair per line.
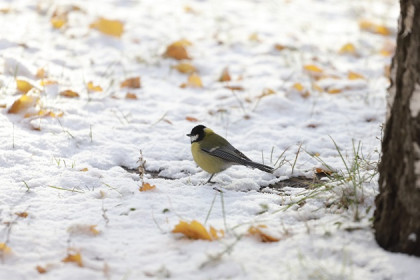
x,y
228,153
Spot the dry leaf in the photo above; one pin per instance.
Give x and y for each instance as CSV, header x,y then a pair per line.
x,y
74,257
4,249
69,93
41,270
58,21
109,27
334,90
298,87
317,87
354,76
23,86
259,232
369,26
185,67
254,37
321,171
40,73
84,169
239,88
24,103
147,187
22,214
266,92
348,48
83,229
177,50
130,95
131,83
225,76
191,119
194,81
92,88
44,83
312,68
279,47
196,230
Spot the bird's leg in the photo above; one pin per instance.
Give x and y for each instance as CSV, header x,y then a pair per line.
x,y
209,180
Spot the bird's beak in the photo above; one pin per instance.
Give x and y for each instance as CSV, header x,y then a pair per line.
x,y
189,135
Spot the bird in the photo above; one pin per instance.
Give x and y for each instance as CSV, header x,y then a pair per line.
x,y
213,153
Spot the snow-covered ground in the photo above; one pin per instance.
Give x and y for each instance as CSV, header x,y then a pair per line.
x,y
70,205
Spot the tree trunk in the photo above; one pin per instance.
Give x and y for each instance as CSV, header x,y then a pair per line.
x,y
397,215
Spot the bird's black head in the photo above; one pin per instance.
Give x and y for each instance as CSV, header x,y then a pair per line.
x,y
197,133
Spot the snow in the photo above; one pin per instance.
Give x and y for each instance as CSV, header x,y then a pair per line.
x,y
103,132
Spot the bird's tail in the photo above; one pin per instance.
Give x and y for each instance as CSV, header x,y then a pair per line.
x,y
260,166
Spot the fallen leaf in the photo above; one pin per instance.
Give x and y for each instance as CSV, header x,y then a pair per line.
x,y
266,92
321,171
279,47
258,231
69,93
298,87
147,187
334,90
24,103
58,21
239,88
254,37
109,27
130,95
41,270
196,230
133,82
74,257
354,76
177,50
83,229
44,83
369,26
225,76
40,73
312,68
4,249
23,86
191,119
185,67
92,88
348,48
22,214
84,169
194,81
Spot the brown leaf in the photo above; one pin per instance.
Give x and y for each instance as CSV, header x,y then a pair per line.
x,y
191,119
74,257
69,93
177,50
130,95
22,214
239,88
259,232
4,249
40,73
41,270
225,76
133,82
84,169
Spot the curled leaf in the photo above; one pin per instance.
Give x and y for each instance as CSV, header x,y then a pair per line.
x,y
74,257
195,230
24,103
258,231
147,187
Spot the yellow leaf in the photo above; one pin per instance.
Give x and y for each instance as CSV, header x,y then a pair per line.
x,y
298,87
372,27
177,50
130,95
196,230
334,90
191,119
216,234
23,86
109,27
92,88
44,83
75,257
58,21
40,73
312,68
185,67
147,187
317,87
131,83
259,232
348,48
254,37
279,47
84,169
354,76
4,249
69,93
23,103
194,81
225,76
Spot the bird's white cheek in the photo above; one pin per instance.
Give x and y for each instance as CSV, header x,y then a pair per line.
x,y
193,138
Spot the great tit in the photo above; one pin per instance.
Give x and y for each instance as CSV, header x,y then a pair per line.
x,y
213,153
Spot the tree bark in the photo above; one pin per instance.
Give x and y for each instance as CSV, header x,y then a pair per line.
x,y
397,215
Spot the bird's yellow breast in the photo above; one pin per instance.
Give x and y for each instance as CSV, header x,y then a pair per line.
x,y
208,163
